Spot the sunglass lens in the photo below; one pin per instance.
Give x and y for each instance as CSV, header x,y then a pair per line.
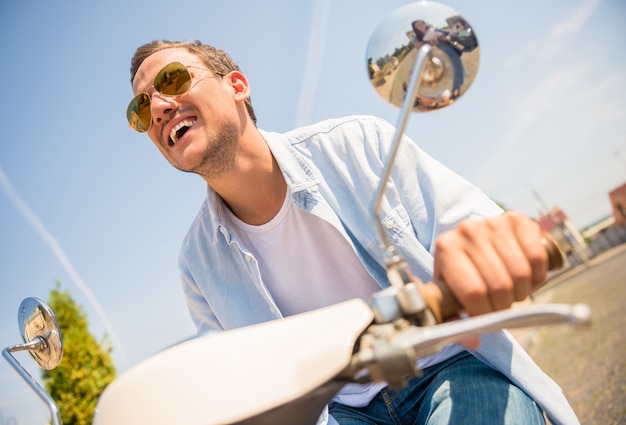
x,y
173,80
138,113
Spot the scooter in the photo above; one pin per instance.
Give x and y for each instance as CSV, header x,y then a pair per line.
x,y
287,371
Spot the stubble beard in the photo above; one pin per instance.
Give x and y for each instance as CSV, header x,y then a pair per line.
x,y
219,156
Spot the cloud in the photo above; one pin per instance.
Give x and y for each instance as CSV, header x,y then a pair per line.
x,y
549,44
533,116
571,25
540,111
313,64
549,95
33,220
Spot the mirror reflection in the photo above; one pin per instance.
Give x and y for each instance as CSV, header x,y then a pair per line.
x,y
393,49
36,320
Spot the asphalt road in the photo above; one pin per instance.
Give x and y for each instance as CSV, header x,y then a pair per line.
x,y
589,364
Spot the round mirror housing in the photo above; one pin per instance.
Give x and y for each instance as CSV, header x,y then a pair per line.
x,y
38,323
450,68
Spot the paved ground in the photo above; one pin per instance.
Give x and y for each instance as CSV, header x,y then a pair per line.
x,y
589,364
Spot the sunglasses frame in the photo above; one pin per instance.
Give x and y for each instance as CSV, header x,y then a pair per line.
x,y
141,103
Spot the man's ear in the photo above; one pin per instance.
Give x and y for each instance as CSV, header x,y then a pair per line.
x,y
240,85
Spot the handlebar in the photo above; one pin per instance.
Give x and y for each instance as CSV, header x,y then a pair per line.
x,y
389,352
403,333
444,305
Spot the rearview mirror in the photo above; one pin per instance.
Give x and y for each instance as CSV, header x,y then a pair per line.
x,y
449,69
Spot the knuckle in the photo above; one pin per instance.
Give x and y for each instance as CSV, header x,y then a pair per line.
x,y
473,293
502,291
469,228
522,273
513,215
445,242
537,257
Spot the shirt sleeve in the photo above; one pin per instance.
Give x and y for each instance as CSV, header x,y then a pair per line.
x,y
201,313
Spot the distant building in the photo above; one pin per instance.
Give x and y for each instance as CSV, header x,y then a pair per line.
x,y
590,232
618,202
595,239
558,224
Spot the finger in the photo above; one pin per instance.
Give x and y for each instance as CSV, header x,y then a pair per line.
x,y
519,274
494,253
529,236
493,265
496,266
455,265
519,262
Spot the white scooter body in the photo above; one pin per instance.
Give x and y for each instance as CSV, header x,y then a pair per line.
x,y
230,377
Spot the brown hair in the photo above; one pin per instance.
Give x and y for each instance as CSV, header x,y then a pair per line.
x,y
216,60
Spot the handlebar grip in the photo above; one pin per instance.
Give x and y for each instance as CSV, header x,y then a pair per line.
x,y
444,305
556,258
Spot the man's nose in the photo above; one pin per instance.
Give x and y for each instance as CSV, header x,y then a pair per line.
x,y
162,106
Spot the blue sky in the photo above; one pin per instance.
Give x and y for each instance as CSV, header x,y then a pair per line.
x,y
87,201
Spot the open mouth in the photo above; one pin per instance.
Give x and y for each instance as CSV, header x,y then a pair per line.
x,y
179,130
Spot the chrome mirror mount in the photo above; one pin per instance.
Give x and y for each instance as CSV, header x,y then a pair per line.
x,y
422,57
43,341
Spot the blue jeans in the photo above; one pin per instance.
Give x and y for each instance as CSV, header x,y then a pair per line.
x,y
461,390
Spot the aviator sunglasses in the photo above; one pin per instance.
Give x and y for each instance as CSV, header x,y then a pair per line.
x,y
173,80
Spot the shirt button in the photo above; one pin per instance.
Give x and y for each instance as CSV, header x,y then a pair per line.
x,y
390,224
248,258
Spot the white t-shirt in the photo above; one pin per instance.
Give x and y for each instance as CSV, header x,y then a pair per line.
x,y
304,261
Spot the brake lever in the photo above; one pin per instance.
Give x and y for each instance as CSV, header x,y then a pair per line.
x,y
389,352
425,341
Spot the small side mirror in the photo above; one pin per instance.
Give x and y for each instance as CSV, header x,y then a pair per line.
x,y
38,323
42,339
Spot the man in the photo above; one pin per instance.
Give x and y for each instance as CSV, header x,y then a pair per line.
x,y
286,228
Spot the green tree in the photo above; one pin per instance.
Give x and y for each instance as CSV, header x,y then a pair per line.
x,y
86,368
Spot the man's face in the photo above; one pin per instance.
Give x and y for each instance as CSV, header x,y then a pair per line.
x,y
196,131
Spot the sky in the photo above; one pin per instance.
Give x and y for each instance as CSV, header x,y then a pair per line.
x,y
88,202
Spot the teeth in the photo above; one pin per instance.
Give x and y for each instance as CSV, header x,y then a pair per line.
x,y
185,123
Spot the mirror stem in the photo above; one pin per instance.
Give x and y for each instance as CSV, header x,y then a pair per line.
x,y
43,395
393,259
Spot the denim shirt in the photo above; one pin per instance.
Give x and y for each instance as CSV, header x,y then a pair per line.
x,y
333,169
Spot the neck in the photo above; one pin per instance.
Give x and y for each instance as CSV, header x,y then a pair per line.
x,y
255,189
